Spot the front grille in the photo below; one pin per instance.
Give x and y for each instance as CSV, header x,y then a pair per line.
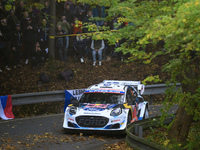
x,y
92,121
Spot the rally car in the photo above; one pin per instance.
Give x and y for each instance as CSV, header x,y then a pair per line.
x,y
108,106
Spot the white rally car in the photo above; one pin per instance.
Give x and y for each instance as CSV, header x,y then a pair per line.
x,y
109,105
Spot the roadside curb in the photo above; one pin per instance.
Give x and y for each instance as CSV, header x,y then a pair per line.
x,y
134,133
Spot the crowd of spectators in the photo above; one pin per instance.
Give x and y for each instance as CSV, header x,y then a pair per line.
x,y
24,33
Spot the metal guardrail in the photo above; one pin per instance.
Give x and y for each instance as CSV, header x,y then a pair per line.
x,y
134,133
40,97
158,88
54,96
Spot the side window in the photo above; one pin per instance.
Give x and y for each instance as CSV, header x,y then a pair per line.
x,y
129,96
134,93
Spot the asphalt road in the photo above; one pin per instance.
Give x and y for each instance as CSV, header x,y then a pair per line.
x,y
45,132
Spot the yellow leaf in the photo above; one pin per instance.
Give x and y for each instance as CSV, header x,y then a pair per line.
x,y
184,20
166,142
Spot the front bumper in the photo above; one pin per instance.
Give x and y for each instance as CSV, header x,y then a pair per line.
x,y
92,122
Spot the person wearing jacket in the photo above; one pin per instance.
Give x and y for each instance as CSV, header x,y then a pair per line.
x,y
68,13
12,20
80,43
38,55
97,46
67,28
16,45
80,11
61,43
29,39
20,10
87,21
43,34
4,40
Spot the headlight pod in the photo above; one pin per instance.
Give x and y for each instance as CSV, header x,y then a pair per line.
x,y
72,110
116,112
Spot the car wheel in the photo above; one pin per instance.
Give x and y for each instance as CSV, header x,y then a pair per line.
x,y
146,114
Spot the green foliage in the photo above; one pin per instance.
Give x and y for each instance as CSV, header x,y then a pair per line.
x,y
176,24
159,135
151,79
194,137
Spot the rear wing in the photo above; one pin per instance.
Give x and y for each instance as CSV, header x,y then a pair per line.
x,y
140,87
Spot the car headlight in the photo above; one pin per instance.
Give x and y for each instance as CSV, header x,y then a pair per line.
x,y
72,110
116,112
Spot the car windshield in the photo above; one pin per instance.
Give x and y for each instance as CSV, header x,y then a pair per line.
x,y
102,98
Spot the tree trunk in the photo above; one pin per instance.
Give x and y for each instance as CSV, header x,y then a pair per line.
x,y
180,128
52,30
182,123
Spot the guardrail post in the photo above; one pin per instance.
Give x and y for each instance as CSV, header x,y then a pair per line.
x,y
140,131
136,129
151,100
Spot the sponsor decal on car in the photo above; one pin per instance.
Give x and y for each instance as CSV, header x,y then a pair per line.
x,y
116,120
96,107
105,91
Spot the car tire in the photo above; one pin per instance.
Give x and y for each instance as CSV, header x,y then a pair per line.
x,y
146,114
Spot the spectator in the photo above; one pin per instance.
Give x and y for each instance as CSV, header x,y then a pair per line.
x,y
36,14
43,34
20,10
12,20
77,26
36,11
108,48
80,43
61,43
97,46
68,13
80,11
29,39
71,4
33,17
38,55
16,44
67,28
3,3
24,20
87,20
99,11
3,13
46,11
4,39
